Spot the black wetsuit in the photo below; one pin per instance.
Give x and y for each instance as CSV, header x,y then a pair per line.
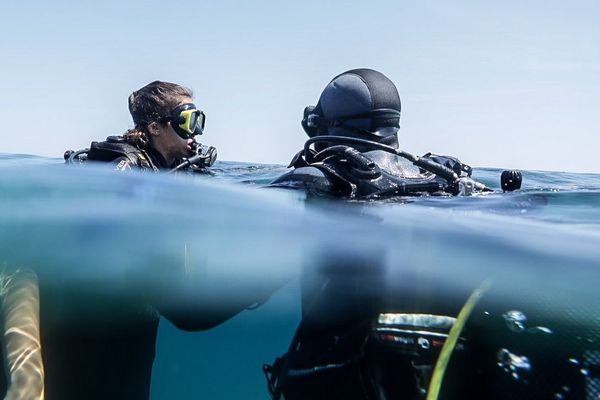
x,y
343,349
123,155
371,174
369,334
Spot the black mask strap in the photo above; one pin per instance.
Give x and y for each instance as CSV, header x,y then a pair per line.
x,y
315,121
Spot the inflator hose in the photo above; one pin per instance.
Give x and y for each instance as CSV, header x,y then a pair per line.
x,y
426,164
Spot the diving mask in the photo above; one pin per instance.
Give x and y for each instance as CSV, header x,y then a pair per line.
x,y
187,121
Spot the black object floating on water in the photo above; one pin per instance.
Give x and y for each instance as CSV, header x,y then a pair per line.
x,y
511,180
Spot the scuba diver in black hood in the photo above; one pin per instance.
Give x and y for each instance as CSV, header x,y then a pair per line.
x,y
353,132
365,333
166,124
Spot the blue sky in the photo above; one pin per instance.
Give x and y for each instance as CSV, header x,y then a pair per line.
x,y
504,84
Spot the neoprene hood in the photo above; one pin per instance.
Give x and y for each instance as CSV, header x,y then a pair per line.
x,y
363,99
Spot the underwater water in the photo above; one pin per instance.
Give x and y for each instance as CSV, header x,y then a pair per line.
x,y
539,247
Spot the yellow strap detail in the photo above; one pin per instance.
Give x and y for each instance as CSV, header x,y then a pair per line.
x,y
187,115
444,358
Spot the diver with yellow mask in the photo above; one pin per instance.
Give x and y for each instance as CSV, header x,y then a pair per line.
x,y
163,138
97,343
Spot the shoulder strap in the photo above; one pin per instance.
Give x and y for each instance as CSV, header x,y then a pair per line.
x,y
109,151
115,147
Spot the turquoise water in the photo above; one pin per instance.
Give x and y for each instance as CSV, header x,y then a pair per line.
x,y
92,226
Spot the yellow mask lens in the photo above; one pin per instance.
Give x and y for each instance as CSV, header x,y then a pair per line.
x,y
187,120
190,120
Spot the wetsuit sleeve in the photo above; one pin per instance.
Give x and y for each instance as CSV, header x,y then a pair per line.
x,y
194,301
202,308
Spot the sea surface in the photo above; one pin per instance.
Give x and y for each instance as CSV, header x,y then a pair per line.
x,y
539,247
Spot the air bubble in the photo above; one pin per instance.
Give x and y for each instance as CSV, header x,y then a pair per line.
x,y
540,330
513,364
515,320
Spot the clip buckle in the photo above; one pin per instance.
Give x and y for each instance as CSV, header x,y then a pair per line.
x,y
312,121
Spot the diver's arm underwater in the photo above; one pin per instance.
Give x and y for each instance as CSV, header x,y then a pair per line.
x,y
204,308
195,302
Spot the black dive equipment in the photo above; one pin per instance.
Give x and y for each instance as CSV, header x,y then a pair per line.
x,y
75,157
349,167
359,112
510,180
187,120
113,148
380,117
116,147
424,163
395,347
205,157
357,176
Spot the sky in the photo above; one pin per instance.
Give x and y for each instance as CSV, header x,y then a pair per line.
x,y
511,84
